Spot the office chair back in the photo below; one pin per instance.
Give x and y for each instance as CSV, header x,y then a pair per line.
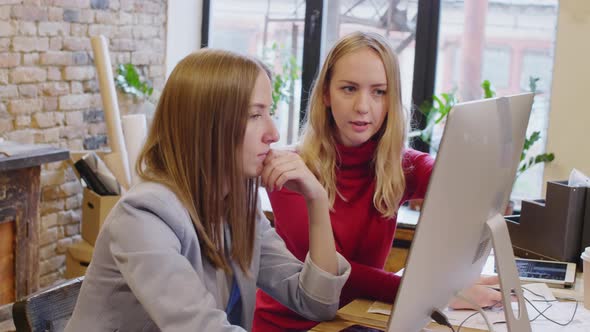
x,y
47,310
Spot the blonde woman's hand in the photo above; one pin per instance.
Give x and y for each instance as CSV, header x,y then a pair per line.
x,y
286,168
482,293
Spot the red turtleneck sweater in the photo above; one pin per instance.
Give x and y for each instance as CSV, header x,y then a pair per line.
x,y
361,234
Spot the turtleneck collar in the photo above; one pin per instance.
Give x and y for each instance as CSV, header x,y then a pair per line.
x,y
356,161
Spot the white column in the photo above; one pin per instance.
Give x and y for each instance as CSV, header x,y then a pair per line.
x,y
569,117
183,33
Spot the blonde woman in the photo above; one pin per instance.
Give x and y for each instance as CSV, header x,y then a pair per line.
x,y
354,143
185,249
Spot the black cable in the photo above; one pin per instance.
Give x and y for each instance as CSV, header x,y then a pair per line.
x,y
542,313
547,302
551,320
441,319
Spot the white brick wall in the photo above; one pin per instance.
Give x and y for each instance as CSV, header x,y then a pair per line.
x,y
49,91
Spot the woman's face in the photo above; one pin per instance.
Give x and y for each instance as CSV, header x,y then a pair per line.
x,y
357,95
260,128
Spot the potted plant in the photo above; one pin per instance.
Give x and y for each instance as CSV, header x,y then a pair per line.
x,y
130,82
285,74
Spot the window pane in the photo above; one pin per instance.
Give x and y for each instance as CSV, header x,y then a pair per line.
x,y
505,42
272,30
536,63
496,66
395,19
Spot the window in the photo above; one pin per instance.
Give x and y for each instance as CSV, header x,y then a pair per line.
x,y
537,63
273,31
505,42
394,19
496,66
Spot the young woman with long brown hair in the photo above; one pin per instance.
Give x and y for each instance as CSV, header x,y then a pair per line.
x,y
185,249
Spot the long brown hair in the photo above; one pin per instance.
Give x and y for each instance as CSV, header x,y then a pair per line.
x,y
194,147
318,146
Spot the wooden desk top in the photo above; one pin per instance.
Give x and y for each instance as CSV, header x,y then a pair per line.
x,y
16,155
356,312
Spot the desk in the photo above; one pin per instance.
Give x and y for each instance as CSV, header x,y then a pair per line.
x,y
19,216
356,312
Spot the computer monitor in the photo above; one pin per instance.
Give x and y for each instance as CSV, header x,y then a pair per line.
x,y
463,210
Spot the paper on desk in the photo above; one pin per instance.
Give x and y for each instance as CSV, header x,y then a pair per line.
x,y
542,290
456,317
533,292
380,308
557,311
383,308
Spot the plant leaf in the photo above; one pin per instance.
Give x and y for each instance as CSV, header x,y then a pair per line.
x,y
533,83
488,92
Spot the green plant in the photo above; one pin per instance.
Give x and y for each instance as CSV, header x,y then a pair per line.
x,y
437,110
283,80
487,90
131,82
533,160
530,141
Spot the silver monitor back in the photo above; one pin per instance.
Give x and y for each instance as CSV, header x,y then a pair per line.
x,y
471,182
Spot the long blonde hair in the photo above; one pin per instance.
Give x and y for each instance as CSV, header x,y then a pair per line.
x,y
318,146
194,147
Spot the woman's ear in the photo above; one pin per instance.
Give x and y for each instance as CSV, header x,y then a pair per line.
x,y
326,98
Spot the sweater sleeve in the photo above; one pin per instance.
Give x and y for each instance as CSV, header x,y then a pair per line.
x,y
302,287
370,282
418,168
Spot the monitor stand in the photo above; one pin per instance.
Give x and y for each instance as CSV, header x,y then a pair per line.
x,y
508,275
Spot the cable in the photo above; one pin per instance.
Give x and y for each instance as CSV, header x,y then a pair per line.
x,y
535,294
479,309
441,319
465,320
473,314
542,313
538,315
547,302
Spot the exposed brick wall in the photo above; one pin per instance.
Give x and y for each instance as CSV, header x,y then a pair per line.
x,y
49,91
